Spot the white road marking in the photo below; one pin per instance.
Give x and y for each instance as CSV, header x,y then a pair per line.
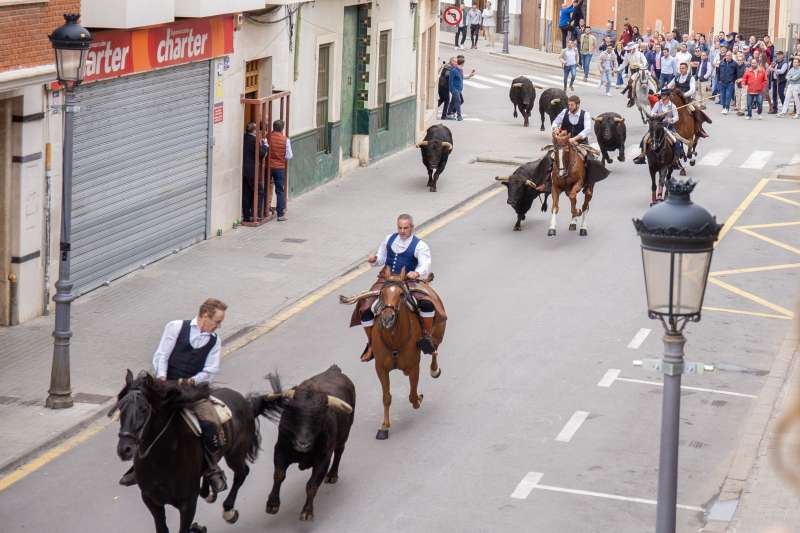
x,y
561,79
684,387
504,77
527,484
572,426
474,119
486,79
476,84
714,158
609,377
795,159
757,159
639,338
531,481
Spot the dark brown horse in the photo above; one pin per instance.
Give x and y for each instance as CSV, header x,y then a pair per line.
x,y
394,339
167,456
689,125
569,175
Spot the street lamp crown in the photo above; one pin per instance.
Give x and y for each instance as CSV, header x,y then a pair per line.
x,y
71,35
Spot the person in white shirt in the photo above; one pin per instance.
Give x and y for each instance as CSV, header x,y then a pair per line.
x,y
636,61
400,251
488,16
189,353
683,55
669,114
474,22
575,121
684,81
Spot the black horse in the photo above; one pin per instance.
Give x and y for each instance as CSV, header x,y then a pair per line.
x,y
168,458
660,157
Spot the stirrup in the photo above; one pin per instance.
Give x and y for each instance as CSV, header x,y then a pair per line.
x,y
640,159
216,478
129,478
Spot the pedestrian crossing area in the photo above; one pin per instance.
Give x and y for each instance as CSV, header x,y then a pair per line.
x,y
484,81
754,160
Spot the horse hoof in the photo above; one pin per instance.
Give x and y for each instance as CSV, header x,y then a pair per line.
x,y
436,373
231,516
683,172
691,162
621,158
551,233
583,232
517,228
272,507
573,227
383,434
331,479
197,528
306,516
211,498
433,189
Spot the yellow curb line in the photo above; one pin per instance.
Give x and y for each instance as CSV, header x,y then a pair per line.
x,y
741,209
749,313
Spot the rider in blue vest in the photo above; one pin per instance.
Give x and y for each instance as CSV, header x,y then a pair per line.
x,y
402,250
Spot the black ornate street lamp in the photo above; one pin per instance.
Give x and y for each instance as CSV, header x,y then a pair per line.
x,y
677,244
70,42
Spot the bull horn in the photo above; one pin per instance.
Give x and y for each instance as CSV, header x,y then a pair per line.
x,y
530,183
619,119
504,179
339,405
349,300
555,100
422,144
516,85
447,146
598,119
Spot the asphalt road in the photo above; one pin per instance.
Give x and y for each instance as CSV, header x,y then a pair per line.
x,y
535,326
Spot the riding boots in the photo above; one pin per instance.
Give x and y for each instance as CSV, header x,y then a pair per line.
x,y
214,475
129,478
426,342
367,355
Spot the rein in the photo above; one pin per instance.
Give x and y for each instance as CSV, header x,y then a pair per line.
x,y
158,437
138,438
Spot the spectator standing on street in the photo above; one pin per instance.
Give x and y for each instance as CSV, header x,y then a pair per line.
x,y
667,68
280,152
474,22
608,65
569,61
627,34
704,73
740,92
610,33
607,44
489,23
777,73
456,85
249,171
565,22
683,55
619,56
461,27
588,45
793,89
755,79
726,78
672,44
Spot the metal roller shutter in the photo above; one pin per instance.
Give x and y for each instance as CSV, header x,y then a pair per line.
x,y
753,18
682,16
140,171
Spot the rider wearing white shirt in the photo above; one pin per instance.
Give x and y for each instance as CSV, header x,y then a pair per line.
x,y
669,112
684,81
578,122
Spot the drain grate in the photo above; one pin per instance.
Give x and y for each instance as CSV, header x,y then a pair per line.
x,y
719,403
85,397
697,444
294,240
278,256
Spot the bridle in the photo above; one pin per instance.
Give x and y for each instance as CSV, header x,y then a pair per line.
x,y
382,306
560,149
137,437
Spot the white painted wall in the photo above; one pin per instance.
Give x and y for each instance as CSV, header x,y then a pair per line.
x,y
209,8
126,13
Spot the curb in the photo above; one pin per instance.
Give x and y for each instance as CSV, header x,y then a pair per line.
x,y
236,341
500,161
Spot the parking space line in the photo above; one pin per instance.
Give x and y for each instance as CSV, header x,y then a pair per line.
x,y
486,79
532,479
572,426
748,313
752,297
685,387
639,338
609,377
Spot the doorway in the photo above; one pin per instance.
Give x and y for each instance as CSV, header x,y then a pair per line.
x,y
529,23
5,210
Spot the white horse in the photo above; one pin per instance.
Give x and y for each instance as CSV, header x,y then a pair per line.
x,y
640,89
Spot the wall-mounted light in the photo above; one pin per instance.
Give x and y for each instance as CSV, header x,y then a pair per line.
x,y
413,4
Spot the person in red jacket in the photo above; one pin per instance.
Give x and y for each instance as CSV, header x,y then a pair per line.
x,y
280,152
755,78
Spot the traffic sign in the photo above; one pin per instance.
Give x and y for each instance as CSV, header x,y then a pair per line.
x,y
452,15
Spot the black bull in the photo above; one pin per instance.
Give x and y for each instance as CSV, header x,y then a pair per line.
x,y
314,422
435,149
524,186
552,102
522,95
611,133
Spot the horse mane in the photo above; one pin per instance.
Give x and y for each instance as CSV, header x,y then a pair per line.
x,y
678,95
170,395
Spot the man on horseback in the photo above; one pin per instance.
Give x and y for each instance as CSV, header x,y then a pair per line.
x,y
669,113
578,122
189,352
636,62
686,83
398,251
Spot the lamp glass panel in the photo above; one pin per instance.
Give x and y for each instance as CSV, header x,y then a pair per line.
x,y
70,64
675,281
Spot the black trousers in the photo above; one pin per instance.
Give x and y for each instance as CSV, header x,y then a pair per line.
x,y
474,33
462,31
247,198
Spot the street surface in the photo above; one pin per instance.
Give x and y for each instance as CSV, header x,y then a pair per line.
x,y
540,422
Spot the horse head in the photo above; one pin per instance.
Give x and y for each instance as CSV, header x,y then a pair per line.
x,y
392,297
564,154
135,411
657,130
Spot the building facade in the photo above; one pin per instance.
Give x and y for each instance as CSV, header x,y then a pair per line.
x,y
159,129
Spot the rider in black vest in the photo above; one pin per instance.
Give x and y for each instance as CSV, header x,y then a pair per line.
x,y
193,357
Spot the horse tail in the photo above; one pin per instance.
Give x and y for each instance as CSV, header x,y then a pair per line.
x,y
255,438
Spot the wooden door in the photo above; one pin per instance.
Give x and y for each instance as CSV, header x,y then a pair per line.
x,y
629,12
529,23
250,89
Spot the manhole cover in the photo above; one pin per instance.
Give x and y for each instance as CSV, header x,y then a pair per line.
x,y
719,403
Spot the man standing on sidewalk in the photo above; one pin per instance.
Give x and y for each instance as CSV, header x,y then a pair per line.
x,y
461,28
778,71
474,23
608,64
569,61
249,171
726,78
280,151
588,45
755,79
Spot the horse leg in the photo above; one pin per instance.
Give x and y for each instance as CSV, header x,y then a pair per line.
x,y
187,512
413,379
383,376
281,464
157,510
240,471
551,231
435,370
652,186
205,493
573,204
317,475
587,197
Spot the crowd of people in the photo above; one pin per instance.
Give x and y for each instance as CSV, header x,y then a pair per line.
x,y
739,74
477,22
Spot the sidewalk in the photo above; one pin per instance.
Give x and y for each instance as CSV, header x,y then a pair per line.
x,y
257,271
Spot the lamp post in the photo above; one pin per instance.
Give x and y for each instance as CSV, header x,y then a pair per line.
x,y
505,26
677,243
70,42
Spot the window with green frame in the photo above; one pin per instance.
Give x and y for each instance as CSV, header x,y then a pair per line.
x,y
323,98
383,79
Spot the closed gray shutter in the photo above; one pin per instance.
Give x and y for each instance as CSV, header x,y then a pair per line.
x,y
753,18
140,171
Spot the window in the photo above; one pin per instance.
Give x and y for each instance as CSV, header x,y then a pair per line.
x,y
323,98
383,79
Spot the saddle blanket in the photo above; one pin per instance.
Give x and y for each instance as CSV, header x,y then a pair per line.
x,y
214,410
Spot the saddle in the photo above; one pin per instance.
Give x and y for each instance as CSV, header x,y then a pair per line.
x,y
417,289
211,410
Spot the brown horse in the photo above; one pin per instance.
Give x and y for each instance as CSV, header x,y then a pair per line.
x,y
689,125
569,175
394,339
